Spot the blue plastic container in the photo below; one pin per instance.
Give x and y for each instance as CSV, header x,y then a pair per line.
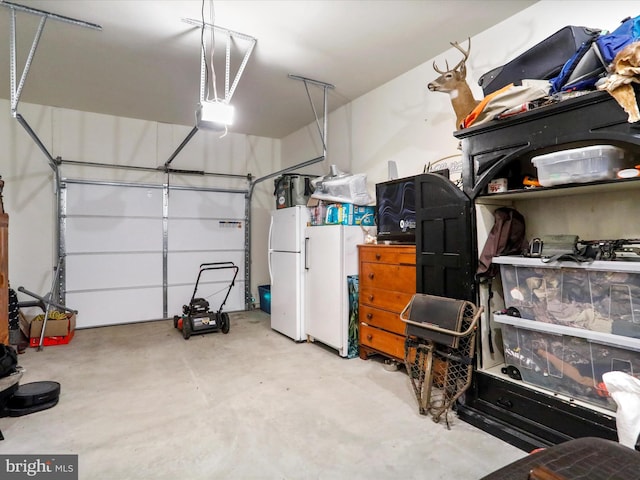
x,y
265,298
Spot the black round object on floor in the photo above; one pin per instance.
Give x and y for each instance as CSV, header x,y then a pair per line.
x,y
20,412
34,394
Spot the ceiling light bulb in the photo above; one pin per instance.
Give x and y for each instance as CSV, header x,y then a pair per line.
x,y
214,115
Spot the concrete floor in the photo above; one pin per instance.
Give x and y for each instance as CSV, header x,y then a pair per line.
x,y
138,402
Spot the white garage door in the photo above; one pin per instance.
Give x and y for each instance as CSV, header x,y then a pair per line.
x,y
205,227
125,263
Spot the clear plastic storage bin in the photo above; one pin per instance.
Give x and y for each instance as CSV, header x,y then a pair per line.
x,y
579,165
555,358
601,296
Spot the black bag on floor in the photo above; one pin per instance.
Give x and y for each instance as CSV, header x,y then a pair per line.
x,y
8,360
542,61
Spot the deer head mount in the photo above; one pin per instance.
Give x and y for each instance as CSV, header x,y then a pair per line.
x,y
453,81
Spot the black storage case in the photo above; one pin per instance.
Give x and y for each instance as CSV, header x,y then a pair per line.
x,y
542,61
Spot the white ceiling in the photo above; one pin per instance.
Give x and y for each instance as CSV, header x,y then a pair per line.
x,y
145,63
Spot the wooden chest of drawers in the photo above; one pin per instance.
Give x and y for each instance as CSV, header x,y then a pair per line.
x,y
387,281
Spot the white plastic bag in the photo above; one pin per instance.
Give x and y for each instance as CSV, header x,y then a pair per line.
x,y
342,187
625,390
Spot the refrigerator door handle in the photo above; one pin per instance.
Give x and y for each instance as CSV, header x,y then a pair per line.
x,y
270,234
269,251
306,252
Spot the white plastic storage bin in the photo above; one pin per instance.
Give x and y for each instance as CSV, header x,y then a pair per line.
x,y
555,358
601,296
579,165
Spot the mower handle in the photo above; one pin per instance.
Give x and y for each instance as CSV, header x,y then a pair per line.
x,y
216,266
216,263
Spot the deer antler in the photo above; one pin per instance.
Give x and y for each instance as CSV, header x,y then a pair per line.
x,y
435,67
457,46
460,63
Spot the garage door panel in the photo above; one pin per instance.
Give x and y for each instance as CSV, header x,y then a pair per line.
x,y
114,241
110,234
116,306
183,267
201,234
181,295
116,270
113,200
209,277
205,204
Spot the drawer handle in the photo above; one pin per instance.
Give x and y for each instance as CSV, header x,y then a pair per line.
x,y
504,403
371,275
369,337
378,256
369,316
371,298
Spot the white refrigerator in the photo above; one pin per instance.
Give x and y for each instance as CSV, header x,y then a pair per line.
x,y
286,269
331,256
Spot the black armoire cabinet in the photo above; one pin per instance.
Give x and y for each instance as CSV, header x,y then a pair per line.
x,y
445,239
452,225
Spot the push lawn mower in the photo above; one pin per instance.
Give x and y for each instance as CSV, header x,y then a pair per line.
x,y
197,317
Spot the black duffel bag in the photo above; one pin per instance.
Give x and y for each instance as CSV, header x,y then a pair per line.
x,y
8,360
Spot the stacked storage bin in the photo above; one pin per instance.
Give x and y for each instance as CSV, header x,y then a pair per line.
x,y
577,321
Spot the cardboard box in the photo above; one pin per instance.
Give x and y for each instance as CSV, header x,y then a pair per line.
x,y
359,215
349,214
327,213
25,324
497,185
317,212
57,331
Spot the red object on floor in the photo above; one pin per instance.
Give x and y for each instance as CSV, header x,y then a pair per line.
x,y
50,341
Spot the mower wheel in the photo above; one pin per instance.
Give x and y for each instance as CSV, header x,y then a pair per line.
x,y
186,328
175,321
225,324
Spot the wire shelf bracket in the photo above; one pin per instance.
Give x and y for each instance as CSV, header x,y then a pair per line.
x,y
16,86
229,88
16,89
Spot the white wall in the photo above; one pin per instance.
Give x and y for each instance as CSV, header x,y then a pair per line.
x,y
88,137
404,122
28,198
